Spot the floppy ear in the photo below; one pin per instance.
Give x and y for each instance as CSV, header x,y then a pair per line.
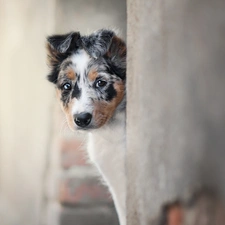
x,y
97,44
105,43
63,43
59,47
116,57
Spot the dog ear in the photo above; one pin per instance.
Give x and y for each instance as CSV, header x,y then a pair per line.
x,y
105,43
116,57
97,44
59,47
63,43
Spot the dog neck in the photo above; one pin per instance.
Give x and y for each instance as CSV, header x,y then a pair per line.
x,y
106,150
114,130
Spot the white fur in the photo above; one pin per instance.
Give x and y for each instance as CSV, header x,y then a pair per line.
x,y
80,59
83,105
80,62
106,149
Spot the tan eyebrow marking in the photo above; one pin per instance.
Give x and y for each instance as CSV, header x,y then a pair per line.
x,y
92,75
71,74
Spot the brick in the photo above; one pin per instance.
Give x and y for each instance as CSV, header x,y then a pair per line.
x,y
94,215
72,153
82,187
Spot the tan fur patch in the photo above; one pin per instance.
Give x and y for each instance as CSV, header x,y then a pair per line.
x,y
68,113
104,110
71,74
120,88
67,109
92,75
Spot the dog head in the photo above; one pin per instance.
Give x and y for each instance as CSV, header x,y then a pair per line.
x,y
89,73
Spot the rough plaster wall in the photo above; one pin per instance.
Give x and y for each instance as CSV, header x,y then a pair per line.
x,y
176,107
25,109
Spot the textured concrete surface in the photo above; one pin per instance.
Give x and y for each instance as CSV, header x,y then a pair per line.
x,y
176,107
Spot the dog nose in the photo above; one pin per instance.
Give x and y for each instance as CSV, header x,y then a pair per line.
x,y
82,119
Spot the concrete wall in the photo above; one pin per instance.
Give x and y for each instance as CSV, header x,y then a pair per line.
x,y
176,107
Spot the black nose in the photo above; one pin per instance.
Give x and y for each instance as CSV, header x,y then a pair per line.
x,y
82,119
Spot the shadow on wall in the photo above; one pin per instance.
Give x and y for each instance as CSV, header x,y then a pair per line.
x,y
38,159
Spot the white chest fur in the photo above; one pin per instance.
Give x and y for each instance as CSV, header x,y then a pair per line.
x,y
106,149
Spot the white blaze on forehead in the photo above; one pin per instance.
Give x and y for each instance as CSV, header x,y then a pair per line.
x,y
80,61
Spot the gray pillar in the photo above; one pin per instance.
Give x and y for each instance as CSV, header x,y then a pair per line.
x,y
176,102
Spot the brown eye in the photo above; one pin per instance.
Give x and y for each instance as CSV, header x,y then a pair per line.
x,y
67,87
100,83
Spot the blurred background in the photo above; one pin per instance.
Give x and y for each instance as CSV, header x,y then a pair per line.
x,y
44,177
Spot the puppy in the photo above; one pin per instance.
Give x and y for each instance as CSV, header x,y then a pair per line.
x,y
89,73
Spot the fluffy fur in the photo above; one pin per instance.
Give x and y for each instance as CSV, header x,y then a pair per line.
x,y
89,73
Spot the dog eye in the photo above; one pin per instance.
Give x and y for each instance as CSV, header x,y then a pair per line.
x,y
67,87
100,83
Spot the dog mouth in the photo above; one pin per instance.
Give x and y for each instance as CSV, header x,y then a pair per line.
x,y
90,127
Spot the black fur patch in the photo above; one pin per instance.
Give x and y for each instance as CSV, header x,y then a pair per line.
x,y
53,76
66,43
110,93
113,69
76,91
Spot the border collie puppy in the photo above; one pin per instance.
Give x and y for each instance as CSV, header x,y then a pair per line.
x,y
89,73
